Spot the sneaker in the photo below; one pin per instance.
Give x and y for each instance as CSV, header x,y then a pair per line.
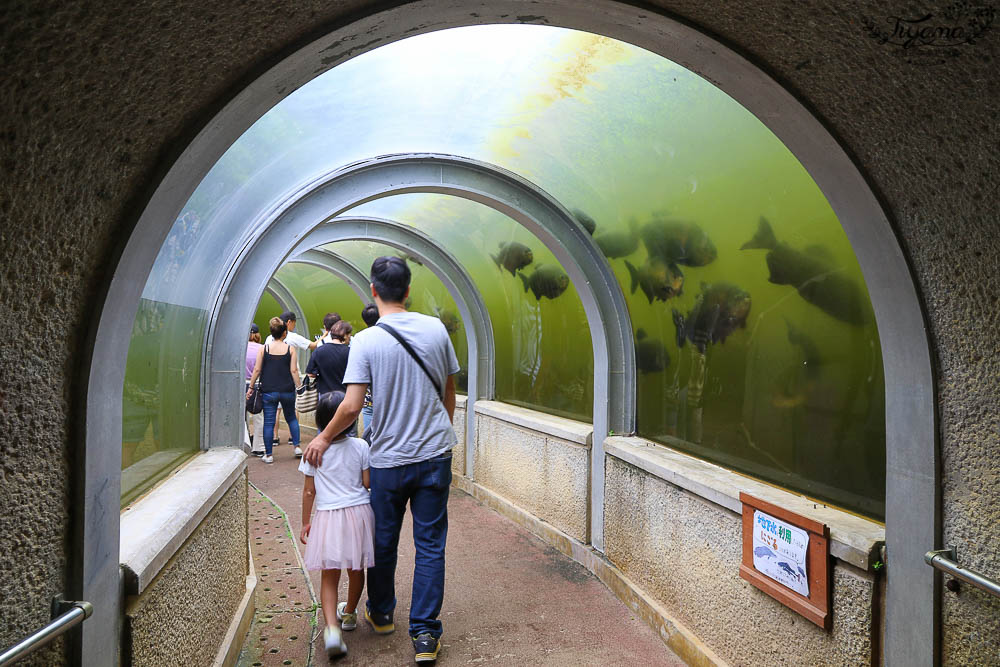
x,y
298,452
267,459
348,621
334,641
426,647
256,453
381,623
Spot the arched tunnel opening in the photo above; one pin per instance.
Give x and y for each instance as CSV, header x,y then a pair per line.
x,y
700,287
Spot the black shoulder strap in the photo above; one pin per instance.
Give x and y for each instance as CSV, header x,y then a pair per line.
x,y
406,346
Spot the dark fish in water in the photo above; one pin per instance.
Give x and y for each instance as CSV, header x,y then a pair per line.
x,y
764,552
585,220
719,310
677,242
813,273
408,303
619,243
513,256
547,280
449,320
657,279
650,354
406,257
787,568
810,352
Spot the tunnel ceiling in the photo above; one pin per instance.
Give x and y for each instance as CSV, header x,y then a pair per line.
x,y
754,336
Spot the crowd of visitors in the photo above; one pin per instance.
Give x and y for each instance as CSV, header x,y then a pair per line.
x,y
399,376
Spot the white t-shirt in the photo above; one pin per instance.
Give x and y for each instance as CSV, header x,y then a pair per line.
x,y
293,339
338,478
409,423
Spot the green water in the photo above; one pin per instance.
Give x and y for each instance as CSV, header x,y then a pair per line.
x,y
794,395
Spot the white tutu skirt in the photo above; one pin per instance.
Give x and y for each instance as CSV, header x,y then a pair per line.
x,y
341,539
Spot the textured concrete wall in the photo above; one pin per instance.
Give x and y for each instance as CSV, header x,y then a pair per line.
x,y
101,99
458,453
685,552
545,476
185,612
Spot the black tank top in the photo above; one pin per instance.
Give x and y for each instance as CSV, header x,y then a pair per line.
x,y
276,373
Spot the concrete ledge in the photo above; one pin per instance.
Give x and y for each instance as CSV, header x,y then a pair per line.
x,y
580,433
461,401
154,527
853,539
674,634
232,643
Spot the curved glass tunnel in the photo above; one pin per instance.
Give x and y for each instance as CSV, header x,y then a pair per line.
x,y
755,341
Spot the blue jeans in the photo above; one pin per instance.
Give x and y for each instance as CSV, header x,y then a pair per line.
x,y
287,401
425,485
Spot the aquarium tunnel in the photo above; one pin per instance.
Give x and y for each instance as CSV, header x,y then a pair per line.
x,y
609,239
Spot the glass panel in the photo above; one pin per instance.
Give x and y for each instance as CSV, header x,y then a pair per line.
x,y
160,416
763,357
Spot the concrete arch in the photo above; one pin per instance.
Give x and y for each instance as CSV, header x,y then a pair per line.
x,y
338,266
287,300
468,299
912,486
326,197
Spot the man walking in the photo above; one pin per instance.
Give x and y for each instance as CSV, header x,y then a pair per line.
x,y
410,364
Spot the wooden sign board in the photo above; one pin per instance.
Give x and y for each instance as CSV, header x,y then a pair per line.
x,y
787,556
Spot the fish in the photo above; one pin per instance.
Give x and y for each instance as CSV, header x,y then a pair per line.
x,y
718,311
406,257
657,279
813,273
513,256
787,568
811,358
620,243
585,220
763,552
677,242
801,571
547,280
650,354
449,320
408,303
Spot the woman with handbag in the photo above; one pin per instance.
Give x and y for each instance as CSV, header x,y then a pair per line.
x,y
278,369
256,419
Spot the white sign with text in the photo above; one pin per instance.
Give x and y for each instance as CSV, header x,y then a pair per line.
x,y
779,551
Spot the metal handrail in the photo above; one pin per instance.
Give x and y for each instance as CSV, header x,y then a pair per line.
x,y
76,613
942,559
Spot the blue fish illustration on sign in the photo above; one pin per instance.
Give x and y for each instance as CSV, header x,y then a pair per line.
x,y
763,552
787,568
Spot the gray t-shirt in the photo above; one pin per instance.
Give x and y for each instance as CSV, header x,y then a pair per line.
x,y
409,423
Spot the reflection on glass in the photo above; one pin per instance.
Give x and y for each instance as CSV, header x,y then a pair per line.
x,y
160,397
755,340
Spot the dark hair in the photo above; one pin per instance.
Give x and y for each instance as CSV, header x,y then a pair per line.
x,y
278,328
370,314
286,316
330,319
326,408
391,278
341,330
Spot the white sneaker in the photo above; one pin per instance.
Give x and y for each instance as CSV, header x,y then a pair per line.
x,y
335,646
347,621
267,459
298,452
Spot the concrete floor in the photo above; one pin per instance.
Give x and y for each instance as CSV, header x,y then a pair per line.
x,y
510,599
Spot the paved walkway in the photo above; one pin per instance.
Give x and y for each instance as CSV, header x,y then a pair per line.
x,y
510,599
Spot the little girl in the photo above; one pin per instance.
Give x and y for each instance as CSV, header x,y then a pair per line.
x,y
340,535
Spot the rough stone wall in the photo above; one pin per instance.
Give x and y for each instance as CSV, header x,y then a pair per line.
x,y
685,552
181,618
545,476
102,97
